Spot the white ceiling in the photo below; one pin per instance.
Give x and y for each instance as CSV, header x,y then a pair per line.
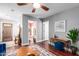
x,y
13,10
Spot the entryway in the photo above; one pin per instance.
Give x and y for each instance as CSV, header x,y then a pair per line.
x,y
32,31
46,30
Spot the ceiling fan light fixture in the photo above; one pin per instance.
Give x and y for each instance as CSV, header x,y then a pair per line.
x,y
36,5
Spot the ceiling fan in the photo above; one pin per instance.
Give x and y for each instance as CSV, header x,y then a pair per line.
x,y
35,6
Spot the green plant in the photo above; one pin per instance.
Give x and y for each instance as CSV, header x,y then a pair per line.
x,y
73,34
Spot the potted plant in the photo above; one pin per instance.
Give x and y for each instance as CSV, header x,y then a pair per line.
x,y
73,35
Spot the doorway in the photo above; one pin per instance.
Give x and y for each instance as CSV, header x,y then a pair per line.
x,y
32,33
7,32
46,30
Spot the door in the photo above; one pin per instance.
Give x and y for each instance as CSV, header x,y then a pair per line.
x,y
7,32
46,30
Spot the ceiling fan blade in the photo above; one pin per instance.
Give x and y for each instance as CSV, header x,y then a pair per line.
x,y
21,4
33,10
44,7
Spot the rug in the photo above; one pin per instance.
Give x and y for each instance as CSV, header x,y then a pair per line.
x,y
42,51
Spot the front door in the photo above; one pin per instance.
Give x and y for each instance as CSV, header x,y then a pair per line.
x,y
7,32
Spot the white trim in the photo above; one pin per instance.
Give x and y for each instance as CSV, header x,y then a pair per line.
x,y
40,40
25,44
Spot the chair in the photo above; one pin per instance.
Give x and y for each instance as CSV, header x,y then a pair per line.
x,y
2,49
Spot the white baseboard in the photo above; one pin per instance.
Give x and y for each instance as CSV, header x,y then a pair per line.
x,y
40,40
25,44
36,41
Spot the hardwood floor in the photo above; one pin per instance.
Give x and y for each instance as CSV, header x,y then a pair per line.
x,y
50,48
46,46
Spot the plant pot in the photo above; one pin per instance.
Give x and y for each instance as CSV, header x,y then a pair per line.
x,y
73,49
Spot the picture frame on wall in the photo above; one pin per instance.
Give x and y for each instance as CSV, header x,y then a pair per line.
x,y
60,26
